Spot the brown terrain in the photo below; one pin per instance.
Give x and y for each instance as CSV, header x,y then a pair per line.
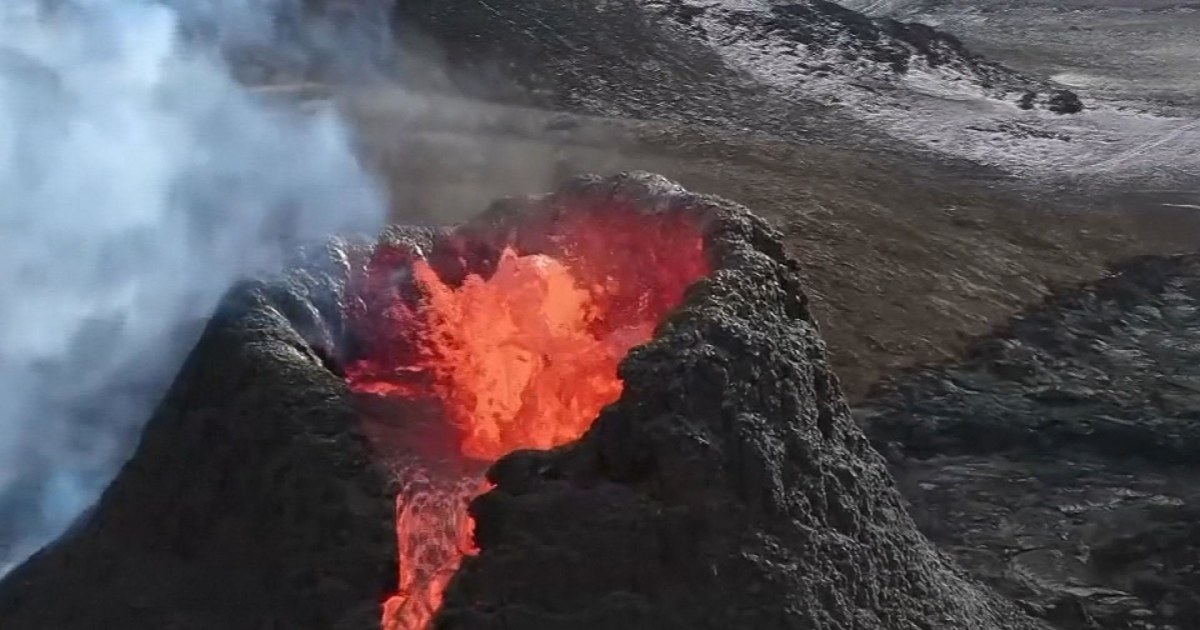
x,y
906,264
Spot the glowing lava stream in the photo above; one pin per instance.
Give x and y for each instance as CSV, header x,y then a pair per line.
x,y
525,358
515,366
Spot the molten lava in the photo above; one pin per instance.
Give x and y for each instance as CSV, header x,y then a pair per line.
x,y
520,352
514,359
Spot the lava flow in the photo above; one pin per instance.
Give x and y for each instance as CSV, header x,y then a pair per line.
x,y
516,349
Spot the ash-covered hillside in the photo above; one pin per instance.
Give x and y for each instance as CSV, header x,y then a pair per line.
x,y
807,71
819,47
801,71
647,56
797,70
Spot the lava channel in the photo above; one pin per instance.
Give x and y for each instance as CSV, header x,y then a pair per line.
x,y
516,349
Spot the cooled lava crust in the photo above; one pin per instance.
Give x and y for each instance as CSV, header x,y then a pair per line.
x,y
1057,458
725,487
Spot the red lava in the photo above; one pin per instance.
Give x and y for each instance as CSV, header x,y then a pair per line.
x,y
522,355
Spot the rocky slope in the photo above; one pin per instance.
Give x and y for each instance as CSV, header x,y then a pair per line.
x,y
1059,458
669,49
809,70
728,487
1135,61
828,51
607,58
802,69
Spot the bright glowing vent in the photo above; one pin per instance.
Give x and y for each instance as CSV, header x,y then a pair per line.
x,y
511,349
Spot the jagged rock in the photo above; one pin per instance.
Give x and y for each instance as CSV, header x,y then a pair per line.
x,y
1058,459
746,65
727,488
1027,100
251,502
1057,101
1064,102
793,43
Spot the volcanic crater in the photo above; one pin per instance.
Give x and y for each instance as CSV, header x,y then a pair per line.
x,y
606,407
505,335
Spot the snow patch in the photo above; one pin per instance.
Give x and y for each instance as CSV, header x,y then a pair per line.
x,y
954,109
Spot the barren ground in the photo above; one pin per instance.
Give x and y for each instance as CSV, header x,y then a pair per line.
x,y
1139,51
905,262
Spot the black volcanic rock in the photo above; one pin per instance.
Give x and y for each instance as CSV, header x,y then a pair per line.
x,y
727,488
251,502
1059,458
1057,101
1064,102
1111,368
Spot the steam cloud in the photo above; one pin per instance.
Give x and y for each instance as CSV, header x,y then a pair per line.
x,y
137,181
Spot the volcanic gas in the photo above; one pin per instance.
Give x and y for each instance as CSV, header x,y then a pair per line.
x,y
500,338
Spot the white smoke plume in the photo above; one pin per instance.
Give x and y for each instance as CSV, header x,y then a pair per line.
x,y
138,180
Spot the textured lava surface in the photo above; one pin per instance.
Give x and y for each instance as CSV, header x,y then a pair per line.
x,y
1058,459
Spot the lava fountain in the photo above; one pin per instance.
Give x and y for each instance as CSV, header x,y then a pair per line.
x,y
505,335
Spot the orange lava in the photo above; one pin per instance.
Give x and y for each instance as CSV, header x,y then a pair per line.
x,y
433,533
514,359
522,354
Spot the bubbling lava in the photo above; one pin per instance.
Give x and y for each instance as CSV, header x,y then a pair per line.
x,y
516,349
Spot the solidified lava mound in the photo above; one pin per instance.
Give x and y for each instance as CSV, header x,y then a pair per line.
x,y
313,464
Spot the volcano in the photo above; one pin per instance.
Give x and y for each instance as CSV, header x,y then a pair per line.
x,y
604,407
